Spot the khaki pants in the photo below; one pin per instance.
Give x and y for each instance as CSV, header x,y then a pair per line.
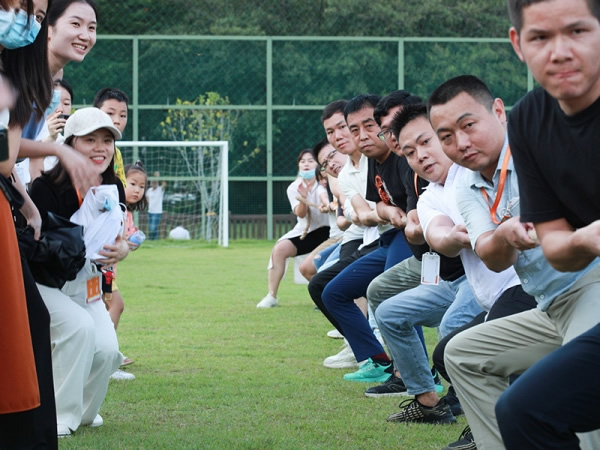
x,y
480,359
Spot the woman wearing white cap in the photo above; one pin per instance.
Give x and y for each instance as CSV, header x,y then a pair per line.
x,y
85,348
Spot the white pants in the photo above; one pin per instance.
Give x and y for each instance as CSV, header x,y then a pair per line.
x,y
85,352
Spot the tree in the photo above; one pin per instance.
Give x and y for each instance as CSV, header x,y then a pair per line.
x,y
204,164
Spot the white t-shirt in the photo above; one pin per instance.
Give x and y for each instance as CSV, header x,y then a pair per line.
x,y
155,199
353,181
317,218
441,200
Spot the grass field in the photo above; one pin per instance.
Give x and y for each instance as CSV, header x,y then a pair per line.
x,y
213,371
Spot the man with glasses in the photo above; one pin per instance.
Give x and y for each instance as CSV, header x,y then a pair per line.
x,y
359,239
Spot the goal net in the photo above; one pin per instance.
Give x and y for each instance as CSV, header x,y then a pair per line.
x,y
195,176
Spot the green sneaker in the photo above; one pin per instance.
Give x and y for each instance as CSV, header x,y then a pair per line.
x,y
371,372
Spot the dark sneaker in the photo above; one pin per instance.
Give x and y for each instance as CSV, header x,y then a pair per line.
x,y
452,400
465,441
411,411
392,387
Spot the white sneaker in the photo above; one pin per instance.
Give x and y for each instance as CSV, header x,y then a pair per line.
x,y
268,302
335,334
63,431
98,420
343,360
121,375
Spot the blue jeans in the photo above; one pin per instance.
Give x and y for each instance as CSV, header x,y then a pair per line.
x,y
555,398
449,305
153,222
339,294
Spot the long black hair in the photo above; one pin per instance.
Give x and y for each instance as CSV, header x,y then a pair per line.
x,y
28,70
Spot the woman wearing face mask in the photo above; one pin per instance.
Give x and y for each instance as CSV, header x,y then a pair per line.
x,y
70,35
310,204
27,411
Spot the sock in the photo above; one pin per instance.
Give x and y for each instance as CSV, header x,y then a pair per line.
x,y
381,358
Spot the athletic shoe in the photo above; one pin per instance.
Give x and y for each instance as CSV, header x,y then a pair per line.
x,y
335,334
465,441
439,387
393,387
268,302
63,431
411,411
371,372
343,360
452,401
122,375
97,422
126,361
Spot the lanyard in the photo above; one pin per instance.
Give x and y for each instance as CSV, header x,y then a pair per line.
x,y
416,186
501,182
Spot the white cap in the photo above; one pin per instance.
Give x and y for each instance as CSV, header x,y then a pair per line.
x,y
87,120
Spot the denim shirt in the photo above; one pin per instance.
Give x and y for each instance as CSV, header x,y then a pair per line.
x,y
538,277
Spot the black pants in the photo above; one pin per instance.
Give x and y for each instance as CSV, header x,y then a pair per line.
x,y
554,399
348,254
512,301
35,428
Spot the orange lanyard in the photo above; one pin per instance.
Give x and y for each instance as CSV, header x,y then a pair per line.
x,y
501,182
79,199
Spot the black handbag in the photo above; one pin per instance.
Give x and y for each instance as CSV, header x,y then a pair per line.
x,y
59,254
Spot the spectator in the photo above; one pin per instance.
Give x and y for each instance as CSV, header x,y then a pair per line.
x,y
155,195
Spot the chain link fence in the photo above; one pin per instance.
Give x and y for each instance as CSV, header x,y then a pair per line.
x,y
271,88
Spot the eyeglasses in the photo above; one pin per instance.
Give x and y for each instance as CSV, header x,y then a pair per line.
x,y
384,134
326,162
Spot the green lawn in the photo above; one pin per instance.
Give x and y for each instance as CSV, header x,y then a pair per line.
x,y
213,371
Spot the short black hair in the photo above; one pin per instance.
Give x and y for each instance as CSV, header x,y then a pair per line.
x,y
468,84
110,94
318,147
515,10
393,99
67,86
359,102
407,114
334,107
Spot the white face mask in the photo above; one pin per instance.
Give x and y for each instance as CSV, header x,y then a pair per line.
x,y
17,29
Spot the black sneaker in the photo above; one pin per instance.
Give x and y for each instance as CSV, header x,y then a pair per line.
x,y
452,400
465,441
392,387
411,411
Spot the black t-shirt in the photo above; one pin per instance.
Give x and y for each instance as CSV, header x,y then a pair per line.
x,y
393,182
557,158
384,182
61,199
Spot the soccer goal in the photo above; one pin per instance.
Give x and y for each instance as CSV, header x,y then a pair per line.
x,y
196,176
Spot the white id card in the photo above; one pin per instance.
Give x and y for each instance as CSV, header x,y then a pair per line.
x,y
430,268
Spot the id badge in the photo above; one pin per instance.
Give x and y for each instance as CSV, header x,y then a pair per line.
x,y
93,289
430,268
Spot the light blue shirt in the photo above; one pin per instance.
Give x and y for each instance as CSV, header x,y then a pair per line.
x,y
538,277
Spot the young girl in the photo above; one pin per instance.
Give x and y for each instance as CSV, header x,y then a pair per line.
x,y
137,180
308,200
85,350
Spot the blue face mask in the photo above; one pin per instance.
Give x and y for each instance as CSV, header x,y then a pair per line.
x,y
17,29
307,174
55,102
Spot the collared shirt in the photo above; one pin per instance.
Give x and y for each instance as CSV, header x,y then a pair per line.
x,y
440,200
538,277
353,181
